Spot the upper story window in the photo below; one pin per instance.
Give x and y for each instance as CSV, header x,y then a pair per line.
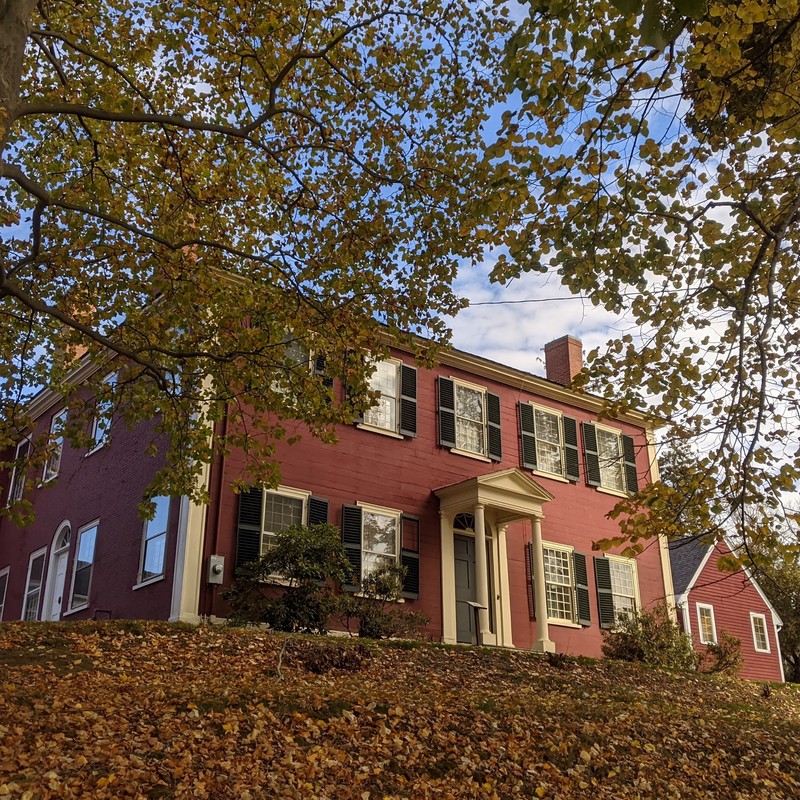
x,y
53,463
617,588
16,487
549,441
610,459
396,410
294,358
469,419
706,624
104,407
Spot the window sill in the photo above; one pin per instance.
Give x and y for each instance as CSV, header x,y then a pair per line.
x,y
762,652
470,454
612,492
364,426
75,610
562,623
148,582
551,475
95,449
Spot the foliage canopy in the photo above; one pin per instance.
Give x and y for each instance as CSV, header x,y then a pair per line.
x,y
193,186
663,184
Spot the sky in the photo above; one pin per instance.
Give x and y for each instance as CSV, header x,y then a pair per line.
x,y
500,327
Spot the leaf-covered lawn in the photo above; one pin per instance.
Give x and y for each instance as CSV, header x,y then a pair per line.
x,y
148,710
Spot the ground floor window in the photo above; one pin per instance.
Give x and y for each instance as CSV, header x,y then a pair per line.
x,y
559,583
84,564
3,587
33,586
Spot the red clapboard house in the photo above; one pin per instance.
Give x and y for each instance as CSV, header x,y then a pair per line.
x,y
488,483
711,600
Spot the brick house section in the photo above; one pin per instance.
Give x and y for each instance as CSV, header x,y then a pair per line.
x,y
725,601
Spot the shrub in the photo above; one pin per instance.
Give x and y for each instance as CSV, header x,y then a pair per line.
x,y
651,637
371,606
724,656
310,563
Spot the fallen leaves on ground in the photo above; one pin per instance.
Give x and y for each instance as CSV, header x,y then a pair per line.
x,y
149,710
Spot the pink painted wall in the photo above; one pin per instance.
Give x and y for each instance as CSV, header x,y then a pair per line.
x,y
373,468
733,597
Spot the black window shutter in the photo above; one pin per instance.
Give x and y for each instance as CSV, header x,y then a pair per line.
x,y
408,400
629,451
319,369
317,511
529,576
494,440
248,526
447,413
527,434
591,454
351,539
605,597
409,556
581,588
571,456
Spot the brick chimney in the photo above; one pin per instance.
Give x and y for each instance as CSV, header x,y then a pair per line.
x,y
563,359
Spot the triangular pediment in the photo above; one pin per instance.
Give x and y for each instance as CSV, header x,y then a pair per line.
x,y
509,492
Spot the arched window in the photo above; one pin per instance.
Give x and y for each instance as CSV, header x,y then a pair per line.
x,y
62,537
464,522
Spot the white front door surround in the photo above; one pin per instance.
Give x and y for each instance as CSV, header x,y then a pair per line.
x,y
494,500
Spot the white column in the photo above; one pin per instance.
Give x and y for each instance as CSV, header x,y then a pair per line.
x,y
481,573
543,644
449,628
505,635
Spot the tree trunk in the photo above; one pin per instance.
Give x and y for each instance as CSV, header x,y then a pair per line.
x,y
15,25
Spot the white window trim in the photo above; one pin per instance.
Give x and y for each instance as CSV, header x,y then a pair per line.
x,y
287,491
460,450
12,483
635,567
42,551
160,577
564,623
45,477
710,608
7,572
110,380
71,609
608,489
392,432
753,616
386,512
558,476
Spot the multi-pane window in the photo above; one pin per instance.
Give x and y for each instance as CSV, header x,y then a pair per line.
x,y
283,509
16,487
154,544
760,637
705,624
623,587
101,424
470,419
3,587
612,467
294,359
559,584
386,380
379,539
84,562
33,586
53,463
549,451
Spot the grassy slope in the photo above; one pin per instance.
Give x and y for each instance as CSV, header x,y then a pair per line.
x,y
149,710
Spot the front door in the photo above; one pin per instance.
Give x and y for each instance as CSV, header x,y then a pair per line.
x,y
464,547
58,573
